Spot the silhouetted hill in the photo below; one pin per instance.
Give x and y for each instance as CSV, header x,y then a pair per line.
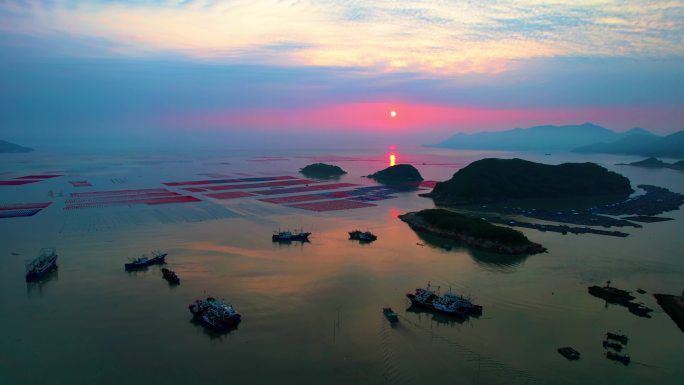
x,y
7,147
497,180
401,173
539,138
670,146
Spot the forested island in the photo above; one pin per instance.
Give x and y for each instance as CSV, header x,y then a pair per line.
x,y
474,232
398,174
499,180
322,170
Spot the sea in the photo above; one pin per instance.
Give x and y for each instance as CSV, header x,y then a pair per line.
x,y
311,312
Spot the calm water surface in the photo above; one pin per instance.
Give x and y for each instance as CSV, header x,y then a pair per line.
x,y
312,312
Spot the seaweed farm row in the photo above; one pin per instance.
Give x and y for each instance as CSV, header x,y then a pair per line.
x,y
27,179
289,191
15,210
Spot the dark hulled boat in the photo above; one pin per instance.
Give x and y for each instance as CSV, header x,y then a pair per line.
x,y
569,353
613,345
143,261
622,358
288,236
617,337
639,309
391,316
362,236
170,276
41,265
215,314
449,303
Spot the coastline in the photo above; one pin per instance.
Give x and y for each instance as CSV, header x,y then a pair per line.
x,y
418,224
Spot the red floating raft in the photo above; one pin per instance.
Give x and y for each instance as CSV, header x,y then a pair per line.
x,y
234,180
230,195
316,187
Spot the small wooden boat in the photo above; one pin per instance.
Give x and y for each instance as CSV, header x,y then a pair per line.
x,y
391,316
569,353
170,276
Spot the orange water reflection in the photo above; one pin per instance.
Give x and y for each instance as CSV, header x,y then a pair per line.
x,y
392,159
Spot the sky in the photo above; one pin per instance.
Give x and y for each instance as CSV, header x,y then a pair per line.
x,y
207,71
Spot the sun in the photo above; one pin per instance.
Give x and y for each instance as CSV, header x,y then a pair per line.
x,y
393,113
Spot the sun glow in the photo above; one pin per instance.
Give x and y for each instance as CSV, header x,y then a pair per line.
x,y
393,114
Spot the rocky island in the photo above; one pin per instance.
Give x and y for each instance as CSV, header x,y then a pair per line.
x,y
11,148
322,170
499,180
472,231
655,163
400,174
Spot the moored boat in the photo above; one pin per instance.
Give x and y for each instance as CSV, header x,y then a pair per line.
x,y
617,337
144,261
639,309
362,236
613,345
288,236
623,358
42,265
215,314
170,276
390,315
449,303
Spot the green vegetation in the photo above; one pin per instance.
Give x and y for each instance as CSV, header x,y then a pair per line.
x,y
500,180
322,170
401,173
471,226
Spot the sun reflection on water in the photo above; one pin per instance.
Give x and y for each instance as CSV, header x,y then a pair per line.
x,y
392,159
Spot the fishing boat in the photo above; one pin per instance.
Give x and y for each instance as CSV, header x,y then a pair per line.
x,y
215,314
43,264
362,236
623,358
449,303
170,276
617,337
569,353
158,258
288,236
639,309
390,315
464,302
613,345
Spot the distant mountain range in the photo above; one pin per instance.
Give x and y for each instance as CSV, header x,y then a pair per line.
x,y
670,146
586,138
7,148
